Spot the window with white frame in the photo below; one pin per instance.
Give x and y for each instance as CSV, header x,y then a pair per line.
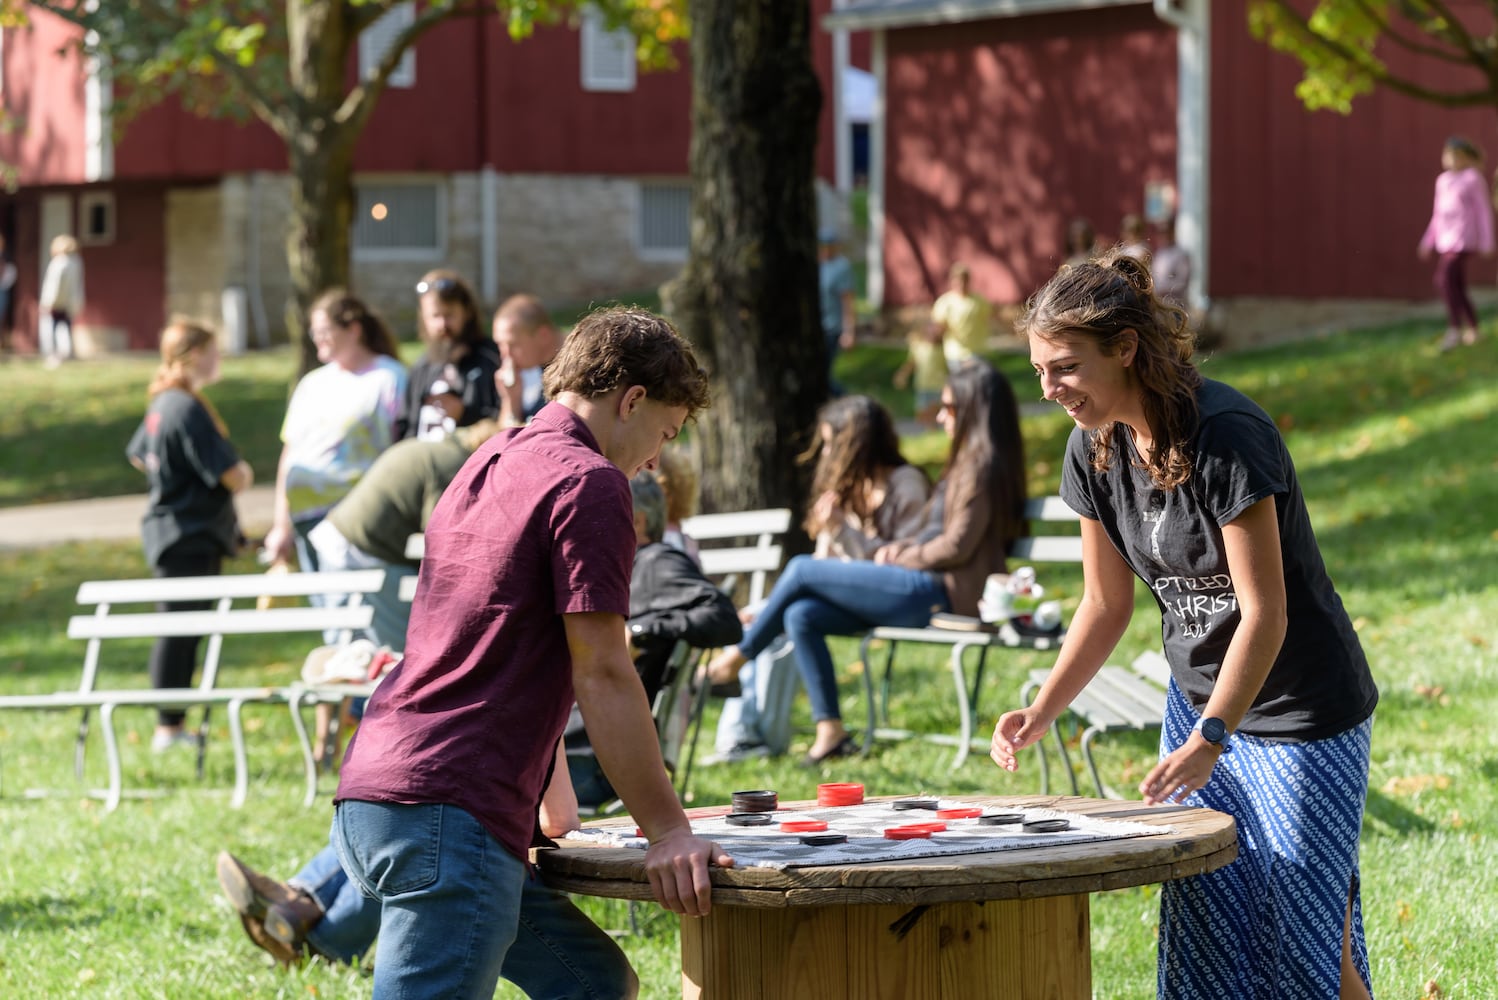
x,y
608,57
665,219
377,39
398,219
96,218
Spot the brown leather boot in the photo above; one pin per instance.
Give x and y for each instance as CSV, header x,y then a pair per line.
x,y
251,892
285,957
288,922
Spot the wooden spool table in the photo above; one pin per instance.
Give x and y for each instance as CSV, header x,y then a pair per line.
x,y
1011,923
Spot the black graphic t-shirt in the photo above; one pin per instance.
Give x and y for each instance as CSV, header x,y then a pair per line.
x,y
184,457
1320,684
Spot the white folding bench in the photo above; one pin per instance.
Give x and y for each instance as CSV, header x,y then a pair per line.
x,y
1116,699
108,623
1033,548
759,559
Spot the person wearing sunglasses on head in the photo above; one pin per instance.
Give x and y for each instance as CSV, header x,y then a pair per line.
x,y
453,385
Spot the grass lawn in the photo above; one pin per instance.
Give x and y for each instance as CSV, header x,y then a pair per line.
x,y
1395,447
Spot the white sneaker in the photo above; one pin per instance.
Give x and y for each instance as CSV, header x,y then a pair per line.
x,y
739,752
162,742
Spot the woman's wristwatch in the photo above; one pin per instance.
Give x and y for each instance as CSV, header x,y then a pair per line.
x,y
1214,731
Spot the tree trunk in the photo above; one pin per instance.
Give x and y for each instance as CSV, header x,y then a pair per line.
x,y
747,299
321,154
317,241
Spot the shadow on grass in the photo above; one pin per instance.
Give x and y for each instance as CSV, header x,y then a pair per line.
x,y
1384,817
49,913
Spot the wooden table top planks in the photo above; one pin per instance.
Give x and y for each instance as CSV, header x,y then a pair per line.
x,y
1192,841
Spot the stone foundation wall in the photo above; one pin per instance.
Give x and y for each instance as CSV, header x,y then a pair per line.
x,y
567,239
571,238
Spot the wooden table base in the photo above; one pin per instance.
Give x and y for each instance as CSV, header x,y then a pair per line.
x,y
1027,949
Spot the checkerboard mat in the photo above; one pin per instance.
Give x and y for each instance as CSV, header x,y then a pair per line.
x,y
864,826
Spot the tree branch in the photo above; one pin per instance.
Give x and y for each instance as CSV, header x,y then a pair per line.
x,y
1364,62
1409,44
360,101
164,18
1457,34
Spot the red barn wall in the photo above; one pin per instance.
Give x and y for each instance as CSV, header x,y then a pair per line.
x,y
129,275
1000,132
43,93
124,282
480,97
540,119
1315,204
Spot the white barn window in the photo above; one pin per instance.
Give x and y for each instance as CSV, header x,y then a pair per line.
x,y
96,218
608,57
399,219
664,219
377,39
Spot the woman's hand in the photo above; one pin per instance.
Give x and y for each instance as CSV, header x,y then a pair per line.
x,y
827,511
1015,731
278,543
1185,770
238,477
889,553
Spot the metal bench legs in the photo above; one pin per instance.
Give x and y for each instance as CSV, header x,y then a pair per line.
x,y
115,792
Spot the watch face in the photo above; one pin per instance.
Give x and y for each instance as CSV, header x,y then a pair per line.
x,y
1213,730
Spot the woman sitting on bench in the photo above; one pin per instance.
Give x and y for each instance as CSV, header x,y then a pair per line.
x,y
974,515
864,495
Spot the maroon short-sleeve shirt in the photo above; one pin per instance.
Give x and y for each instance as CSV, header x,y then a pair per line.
x,y
537,524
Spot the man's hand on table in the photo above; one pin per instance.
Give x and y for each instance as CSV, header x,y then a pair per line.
x,y
677,864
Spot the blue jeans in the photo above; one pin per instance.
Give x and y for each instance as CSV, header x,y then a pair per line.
x,y
834,341
334,553
457,911
815,598
351,920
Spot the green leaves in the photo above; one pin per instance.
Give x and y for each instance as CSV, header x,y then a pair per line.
x,y
1340,41
1335,45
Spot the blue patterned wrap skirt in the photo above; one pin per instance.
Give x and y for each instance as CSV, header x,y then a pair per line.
x,y
1269,925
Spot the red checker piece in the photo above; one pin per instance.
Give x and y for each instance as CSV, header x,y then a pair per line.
x,y
840,794
802,826
966,812
907,833
928,827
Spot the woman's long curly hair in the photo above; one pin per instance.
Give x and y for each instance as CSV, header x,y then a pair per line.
x,y
1103,299
863,443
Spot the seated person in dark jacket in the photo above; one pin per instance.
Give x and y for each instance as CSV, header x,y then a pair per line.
x,y
320,911
669,601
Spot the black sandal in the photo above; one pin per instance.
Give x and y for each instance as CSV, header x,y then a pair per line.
x,y
846,747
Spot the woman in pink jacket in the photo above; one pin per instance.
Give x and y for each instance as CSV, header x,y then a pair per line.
x,y
1461,224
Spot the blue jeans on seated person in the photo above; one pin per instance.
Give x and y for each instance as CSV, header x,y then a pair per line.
x,y
351,920
458,911
815,598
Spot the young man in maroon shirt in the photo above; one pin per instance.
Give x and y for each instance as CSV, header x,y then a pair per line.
x,y
520,610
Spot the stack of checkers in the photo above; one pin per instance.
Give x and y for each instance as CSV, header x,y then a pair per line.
x,y
753,808
840,794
